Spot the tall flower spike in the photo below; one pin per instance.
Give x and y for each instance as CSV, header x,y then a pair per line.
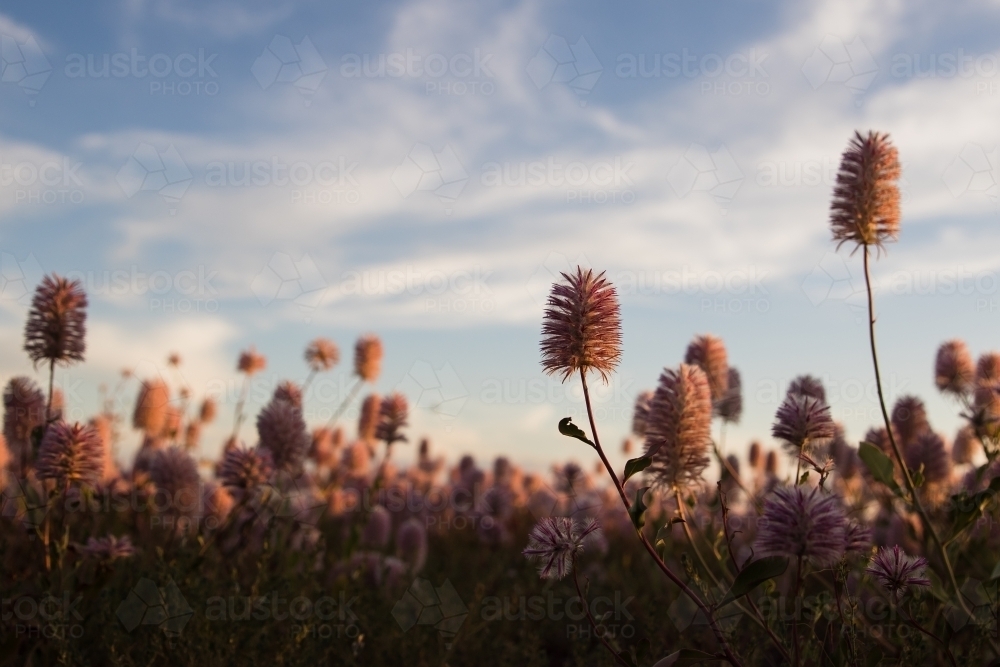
x,y
896,571
151,405
954,371
392,418
368,418
554,541
175,473
640,414
581,328
57,321
288,391
807,385
245,468
251,362
709,353
368,357
802,522
71,455
801,421
865,208
730,406
679,427
966,446
909,419
282,431
322,354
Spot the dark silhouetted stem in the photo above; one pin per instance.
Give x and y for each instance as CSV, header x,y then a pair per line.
x,y
910,487
590,618
343,404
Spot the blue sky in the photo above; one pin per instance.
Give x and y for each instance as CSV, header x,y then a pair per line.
x,y
226,174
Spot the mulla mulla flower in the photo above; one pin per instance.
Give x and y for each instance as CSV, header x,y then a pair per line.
x,y
709,353
322,354
802,421
368,357
896,571
554,543
581,329
678,428
803,523
57,322
392,418
71,454
954,371
865,208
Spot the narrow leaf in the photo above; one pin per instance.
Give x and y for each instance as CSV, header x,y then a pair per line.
x,y
638,509
571,430
753,575
879,465
634,466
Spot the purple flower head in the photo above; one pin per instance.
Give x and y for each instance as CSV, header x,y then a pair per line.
x,y
554,542
798,522
71,454
801,421
108,549
896,571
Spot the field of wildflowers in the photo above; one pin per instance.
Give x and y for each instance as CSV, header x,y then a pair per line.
x,y
310,545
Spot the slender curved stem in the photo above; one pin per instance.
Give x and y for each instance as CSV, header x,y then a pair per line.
x,y
705,609
590,618
343,404
910,487
930,634
690,538
795,620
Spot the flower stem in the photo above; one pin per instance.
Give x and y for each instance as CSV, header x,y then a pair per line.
x,y
590,618
895,447
343,404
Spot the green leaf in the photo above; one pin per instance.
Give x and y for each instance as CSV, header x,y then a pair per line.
x,y
918,477
879,465
804,478
635,466
571,430
686,656
996,572
753,575
638,509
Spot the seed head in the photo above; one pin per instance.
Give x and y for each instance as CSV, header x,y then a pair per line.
x,y
807,385
392,418
730,406
57,321
896,571
641,413
966,446
678,427
909,419
709,353
245,468
71,455
368,357
322,354
250,362
928,450
208,411
411,543
954,371
368,418
554,543
802,421
988,368
24,409
282,431
802,522
865,208
150,414
288,391
581,328
378,529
